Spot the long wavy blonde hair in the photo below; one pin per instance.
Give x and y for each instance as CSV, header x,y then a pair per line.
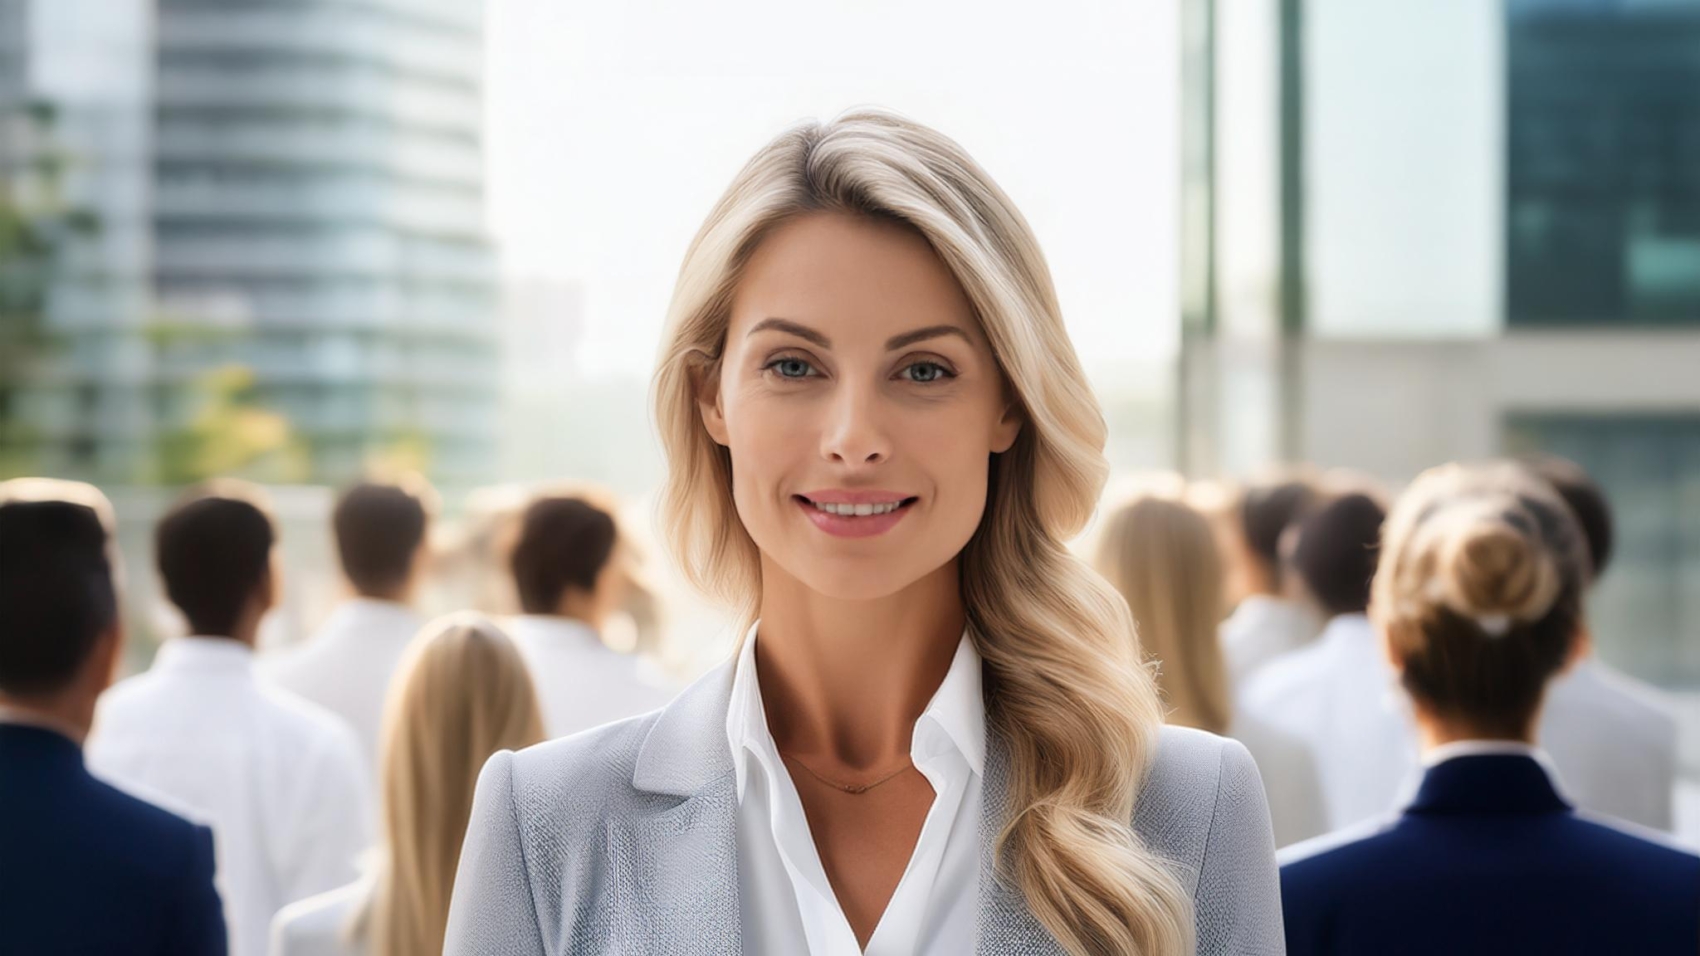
x,y
1161,555
1065,688
462,694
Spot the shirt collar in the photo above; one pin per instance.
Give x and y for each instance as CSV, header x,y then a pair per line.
x,y
216,654
1346,627
1470,776
955,718
1260,605
1483,748
553,627
376,607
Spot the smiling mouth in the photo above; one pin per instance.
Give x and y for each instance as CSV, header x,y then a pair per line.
x,y
864,510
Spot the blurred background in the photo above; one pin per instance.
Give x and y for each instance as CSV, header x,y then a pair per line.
x,y
299,241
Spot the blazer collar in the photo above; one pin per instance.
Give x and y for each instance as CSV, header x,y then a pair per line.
x,y
686,749
686,754
1488,783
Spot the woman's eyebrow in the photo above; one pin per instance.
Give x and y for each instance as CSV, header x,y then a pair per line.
x,y
791,328
892,344
921,335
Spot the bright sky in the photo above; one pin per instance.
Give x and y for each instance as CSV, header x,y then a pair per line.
x,y
613,127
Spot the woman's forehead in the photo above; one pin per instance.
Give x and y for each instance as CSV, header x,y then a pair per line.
x,y
850,277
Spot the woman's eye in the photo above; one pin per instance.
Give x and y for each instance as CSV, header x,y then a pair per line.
x,y
790,367
925,372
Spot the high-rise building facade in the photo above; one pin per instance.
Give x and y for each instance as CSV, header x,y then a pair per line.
x,y
318,286
1459,229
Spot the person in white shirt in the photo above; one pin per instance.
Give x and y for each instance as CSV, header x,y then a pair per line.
x,y
1163,557
279,780
1610,736
1266,622
569,571
381,532
1339,695
461,694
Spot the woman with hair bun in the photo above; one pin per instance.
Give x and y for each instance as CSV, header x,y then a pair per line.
x,y
1478,599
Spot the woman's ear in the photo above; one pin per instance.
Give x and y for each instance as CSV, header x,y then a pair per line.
x,y
705,383
1008,427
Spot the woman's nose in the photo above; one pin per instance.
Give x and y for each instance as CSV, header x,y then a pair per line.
x,y
855,432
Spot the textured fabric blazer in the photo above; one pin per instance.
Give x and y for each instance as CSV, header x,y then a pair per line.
x,y
623,840
85,868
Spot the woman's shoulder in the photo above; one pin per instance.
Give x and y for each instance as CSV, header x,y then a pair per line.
x,y
320,925
592,768
1202,798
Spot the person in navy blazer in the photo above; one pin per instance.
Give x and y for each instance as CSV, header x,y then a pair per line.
x,y
84,868
1478,597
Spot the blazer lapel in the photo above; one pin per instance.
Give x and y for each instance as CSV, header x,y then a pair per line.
x,y
682,868
1006,924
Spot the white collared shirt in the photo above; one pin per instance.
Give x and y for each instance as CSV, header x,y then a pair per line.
x,y
1261,629
1341,697
346,667
580,681
787,905
279,780
1613,744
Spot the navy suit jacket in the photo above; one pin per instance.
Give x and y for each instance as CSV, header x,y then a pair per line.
x,y
1489,859
85,868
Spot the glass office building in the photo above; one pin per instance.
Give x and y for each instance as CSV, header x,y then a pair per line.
x,y
1603,163
310,239
1481,239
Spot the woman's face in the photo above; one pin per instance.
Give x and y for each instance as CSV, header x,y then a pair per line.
x,y
860,402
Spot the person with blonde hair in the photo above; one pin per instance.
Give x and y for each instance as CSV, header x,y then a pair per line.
x,y
1162,555
1478,600
462,693
936,736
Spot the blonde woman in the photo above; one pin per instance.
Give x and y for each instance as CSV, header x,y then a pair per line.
x,y
462,694
1161,554
1478,601
936,736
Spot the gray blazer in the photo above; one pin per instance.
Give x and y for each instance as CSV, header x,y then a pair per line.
x,y
622,840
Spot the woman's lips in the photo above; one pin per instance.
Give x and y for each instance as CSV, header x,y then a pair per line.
x,y
854,526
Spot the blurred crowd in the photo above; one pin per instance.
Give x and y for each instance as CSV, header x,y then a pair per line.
x,y
327,785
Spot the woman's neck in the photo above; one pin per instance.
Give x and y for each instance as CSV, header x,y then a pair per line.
x,y
1434,731
845,681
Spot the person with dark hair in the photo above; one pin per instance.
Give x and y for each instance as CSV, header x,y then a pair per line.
x,y
279,780
1265,623
1333,694
1612,740
381,531
84,867
569,571
1478,603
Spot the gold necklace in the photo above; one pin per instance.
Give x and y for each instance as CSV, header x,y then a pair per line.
x,y
855,788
